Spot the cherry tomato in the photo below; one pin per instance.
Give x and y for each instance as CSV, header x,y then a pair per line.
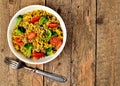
x,y
57,42
31,35
53,25
19,42
58,45
35,19
38,55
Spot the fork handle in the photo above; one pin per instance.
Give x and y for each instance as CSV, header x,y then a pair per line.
x,y
56,77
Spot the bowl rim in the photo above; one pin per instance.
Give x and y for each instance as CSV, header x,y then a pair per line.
x,y
51,57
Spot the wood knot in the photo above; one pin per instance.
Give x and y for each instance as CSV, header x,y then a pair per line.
x,y
2,50
11,1
59,64
78,6
59,10
71,62
99,20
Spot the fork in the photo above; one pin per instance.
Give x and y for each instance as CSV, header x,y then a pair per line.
x,y
17,65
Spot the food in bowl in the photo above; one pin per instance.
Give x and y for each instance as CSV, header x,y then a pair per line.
x,y
37,34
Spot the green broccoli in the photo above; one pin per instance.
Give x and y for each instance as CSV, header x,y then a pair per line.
x,y
48,33
49,51
20,30
54,34
43,20
17,31
28,47
19,19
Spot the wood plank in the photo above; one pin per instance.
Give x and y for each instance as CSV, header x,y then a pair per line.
x,y
108,43
13,7
25,77
61,65
31,2
7,10
4,15
83,42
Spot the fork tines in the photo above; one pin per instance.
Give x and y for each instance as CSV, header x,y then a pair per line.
x,y
7,60
11,63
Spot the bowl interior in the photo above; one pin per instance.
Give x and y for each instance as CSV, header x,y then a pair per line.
x,y
11,27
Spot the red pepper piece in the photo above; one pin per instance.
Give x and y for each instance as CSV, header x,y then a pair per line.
x,y
35,19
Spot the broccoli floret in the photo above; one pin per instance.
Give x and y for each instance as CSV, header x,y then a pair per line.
x,y
54,34
43,20
49,51
21,29
19,18
28,47
48,33
17,31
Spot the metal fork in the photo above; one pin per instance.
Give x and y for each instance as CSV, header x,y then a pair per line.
x,y
17,65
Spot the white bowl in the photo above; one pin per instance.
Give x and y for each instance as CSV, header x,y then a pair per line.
x,y
12,25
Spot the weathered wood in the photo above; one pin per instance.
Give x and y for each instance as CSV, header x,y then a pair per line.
x,y
7,10
13,7
25,77
83,43
31,2
14,77
108,43
61,65
87,44
4,15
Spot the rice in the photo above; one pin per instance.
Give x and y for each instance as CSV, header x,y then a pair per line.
x,y
40,43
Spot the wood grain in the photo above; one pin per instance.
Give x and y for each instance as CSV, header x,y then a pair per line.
x,y
31,2
4,15
91,56
13,7
7,10
83,43
14,77
108,43
25,77
61,65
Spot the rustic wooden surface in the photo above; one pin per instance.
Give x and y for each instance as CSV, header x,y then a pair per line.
x,y
91,56
108,43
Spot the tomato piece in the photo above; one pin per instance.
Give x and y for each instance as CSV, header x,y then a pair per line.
x,y
38,55
19,42
57,42
31,35
35,19
53,25
58,45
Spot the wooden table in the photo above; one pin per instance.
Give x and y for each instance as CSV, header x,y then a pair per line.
x,y
91,56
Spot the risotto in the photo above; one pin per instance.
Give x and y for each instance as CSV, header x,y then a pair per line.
x,y
37,34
